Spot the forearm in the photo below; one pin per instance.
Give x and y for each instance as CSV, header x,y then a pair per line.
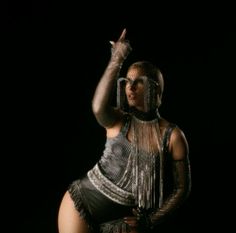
x,y
101,104
102,99
182,182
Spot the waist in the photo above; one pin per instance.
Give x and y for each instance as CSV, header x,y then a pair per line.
x,y
109,189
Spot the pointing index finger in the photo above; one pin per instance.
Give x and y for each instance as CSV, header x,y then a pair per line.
x,y
122,36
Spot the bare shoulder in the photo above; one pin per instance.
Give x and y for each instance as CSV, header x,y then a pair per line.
x,y
114,130
178,144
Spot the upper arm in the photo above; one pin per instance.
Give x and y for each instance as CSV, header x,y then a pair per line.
x,y
178,145
109,118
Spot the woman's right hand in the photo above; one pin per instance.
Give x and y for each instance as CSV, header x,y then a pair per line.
x,y
120,49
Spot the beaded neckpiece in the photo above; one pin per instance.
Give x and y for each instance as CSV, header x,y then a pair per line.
x,y
144,116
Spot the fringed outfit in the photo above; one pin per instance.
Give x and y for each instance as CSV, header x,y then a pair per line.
x,y
127,176
133,171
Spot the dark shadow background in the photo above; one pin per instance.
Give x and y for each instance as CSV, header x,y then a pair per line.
x,y
53,56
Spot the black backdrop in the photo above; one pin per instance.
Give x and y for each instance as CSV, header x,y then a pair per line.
x,y
54,55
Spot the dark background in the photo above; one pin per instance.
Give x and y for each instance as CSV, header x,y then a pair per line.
x,y
53,56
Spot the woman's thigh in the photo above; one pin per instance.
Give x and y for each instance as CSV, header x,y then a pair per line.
x,y
69,219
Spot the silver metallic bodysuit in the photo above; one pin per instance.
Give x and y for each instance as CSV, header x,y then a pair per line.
x,y
126,174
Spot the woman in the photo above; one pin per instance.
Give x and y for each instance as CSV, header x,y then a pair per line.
x,y
144,173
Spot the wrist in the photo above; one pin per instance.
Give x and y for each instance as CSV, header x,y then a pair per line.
x,y
116,58
116,62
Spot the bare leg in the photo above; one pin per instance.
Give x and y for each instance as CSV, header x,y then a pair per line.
x,y
69,220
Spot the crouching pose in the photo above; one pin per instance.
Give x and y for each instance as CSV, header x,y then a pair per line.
x,y
143,174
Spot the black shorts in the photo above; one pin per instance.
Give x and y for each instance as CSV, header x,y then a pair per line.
x,y
95,207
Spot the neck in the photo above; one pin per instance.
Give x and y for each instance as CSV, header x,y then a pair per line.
x,y
144,116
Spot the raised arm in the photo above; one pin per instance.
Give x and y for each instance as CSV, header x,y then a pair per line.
x,y
104,112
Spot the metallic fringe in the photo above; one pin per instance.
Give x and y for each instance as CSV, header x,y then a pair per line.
x,y
121,100
150,97
116,226
146,138
147,153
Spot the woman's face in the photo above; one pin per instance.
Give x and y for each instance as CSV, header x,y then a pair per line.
x,y
134,88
